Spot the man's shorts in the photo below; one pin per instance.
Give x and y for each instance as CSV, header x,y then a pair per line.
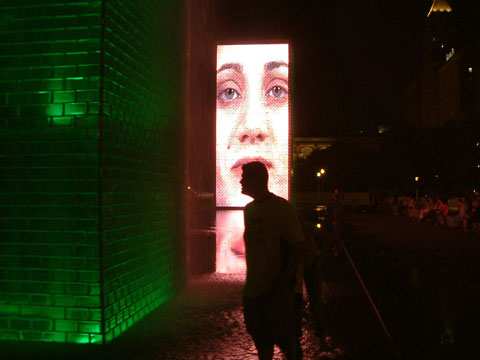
x,y
271,318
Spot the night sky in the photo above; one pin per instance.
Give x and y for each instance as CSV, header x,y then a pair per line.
x,y
352,59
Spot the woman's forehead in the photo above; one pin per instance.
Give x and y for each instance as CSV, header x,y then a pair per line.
x,y
251,55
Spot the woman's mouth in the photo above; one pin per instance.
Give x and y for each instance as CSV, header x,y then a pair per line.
x,y
236,169
239,163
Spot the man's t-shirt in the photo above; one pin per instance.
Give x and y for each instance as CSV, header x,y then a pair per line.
x,y
267,222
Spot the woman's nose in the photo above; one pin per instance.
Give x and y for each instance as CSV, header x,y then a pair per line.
x,y
253,126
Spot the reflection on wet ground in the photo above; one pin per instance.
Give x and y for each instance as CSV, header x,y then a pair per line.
x,y
205,321
230,248
425,282
426,289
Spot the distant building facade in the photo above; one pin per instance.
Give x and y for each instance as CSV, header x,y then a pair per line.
x,y
302,147
447,90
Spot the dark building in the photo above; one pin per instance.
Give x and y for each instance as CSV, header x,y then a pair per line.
x,y
302,147
446,90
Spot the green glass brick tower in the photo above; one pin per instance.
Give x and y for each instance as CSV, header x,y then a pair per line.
x,y
91,162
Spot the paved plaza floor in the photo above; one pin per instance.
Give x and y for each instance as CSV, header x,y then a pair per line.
x,y
205,321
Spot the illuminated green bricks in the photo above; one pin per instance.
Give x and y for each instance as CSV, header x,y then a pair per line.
x,y
91,221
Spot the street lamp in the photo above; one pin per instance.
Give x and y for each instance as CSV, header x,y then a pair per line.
x,y
416,187
319,175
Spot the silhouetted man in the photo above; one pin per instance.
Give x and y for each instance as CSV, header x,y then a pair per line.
x,y
274,244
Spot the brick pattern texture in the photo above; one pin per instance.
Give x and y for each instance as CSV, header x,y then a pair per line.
x,y
90,202
142,159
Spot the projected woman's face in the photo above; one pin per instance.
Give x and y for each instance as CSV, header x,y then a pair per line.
x,y
252,117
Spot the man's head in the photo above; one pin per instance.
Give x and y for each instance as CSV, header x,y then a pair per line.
x,y
254,179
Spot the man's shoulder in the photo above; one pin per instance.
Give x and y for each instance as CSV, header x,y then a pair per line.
x,y
281,202
279,199
274,203
249,205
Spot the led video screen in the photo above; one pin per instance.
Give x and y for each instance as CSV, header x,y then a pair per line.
x,y
252,117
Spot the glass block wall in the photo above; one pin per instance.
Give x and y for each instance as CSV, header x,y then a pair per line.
x,y
90,193
142,159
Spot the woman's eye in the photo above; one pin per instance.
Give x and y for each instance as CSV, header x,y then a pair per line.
x,y
277,92
229,94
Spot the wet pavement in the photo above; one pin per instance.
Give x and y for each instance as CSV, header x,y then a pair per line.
x,y
204,322
423,280
208,324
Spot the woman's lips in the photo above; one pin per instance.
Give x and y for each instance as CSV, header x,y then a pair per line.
x,y
239,163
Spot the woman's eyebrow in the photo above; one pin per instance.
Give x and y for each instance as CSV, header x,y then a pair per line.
x,y
235,66
274,65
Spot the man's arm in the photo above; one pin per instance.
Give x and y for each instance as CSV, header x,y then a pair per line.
x,y
288,275
294,247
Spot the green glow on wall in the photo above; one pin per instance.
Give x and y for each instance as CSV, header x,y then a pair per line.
x,y
62,120
68,274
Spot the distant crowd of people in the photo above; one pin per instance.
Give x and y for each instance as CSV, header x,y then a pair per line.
x,y
462,213
458,212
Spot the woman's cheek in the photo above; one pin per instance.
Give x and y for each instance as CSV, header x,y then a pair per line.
x,y
225,126
279,122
